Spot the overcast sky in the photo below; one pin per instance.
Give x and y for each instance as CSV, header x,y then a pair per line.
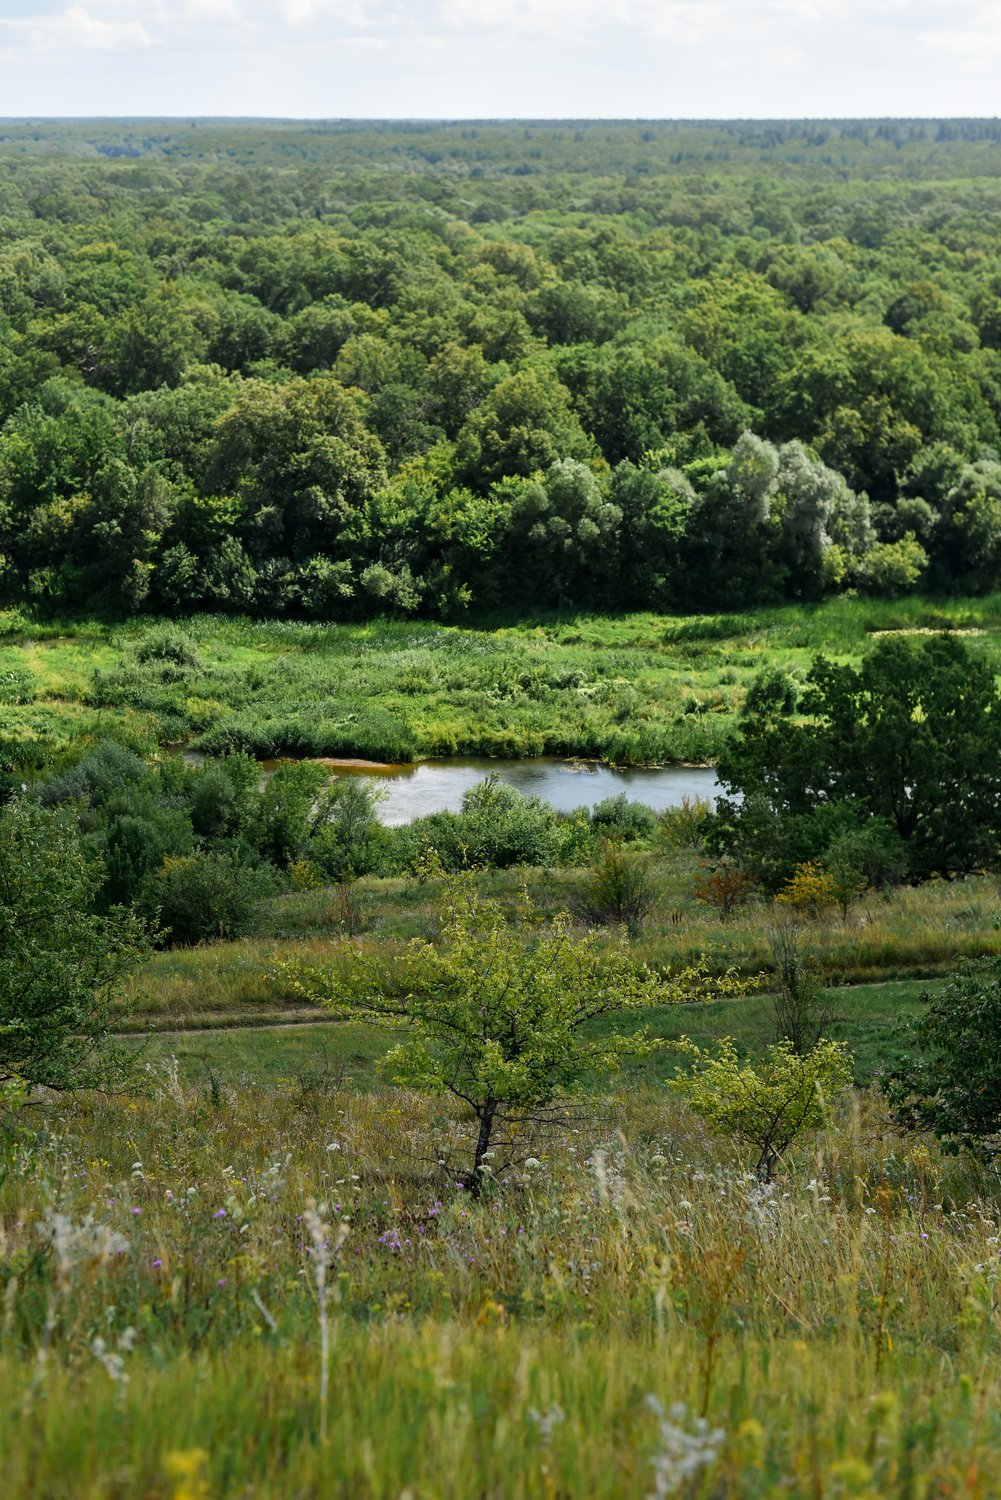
x,y
485,58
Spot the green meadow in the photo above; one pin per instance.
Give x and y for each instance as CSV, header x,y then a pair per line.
x,y
629,689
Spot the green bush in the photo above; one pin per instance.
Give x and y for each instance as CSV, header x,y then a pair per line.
x,y
167,644
206,896
498,826
352,841
949,1079
621,889
618,818
772,692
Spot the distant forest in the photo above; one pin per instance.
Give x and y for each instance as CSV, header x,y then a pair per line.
x,y
344,369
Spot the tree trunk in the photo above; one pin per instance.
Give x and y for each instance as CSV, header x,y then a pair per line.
x,y
765,1169
487,1115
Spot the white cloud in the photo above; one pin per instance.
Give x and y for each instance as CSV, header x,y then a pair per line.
x,y
509,57
973,34
71,30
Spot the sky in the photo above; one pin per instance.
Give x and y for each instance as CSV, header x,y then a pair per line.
x,y
323,59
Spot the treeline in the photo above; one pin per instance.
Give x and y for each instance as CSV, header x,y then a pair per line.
x,y
419,370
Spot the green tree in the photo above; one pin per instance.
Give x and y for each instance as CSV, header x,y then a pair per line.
x,y
524,424
500,1016
911,736
561,533
949,1078
768,1104
61,965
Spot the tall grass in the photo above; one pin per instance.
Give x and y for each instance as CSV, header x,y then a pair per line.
x,y
839,1335
631,689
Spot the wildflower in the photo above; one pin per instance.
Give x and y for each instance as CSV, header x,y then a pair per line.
x,y
682,1452
532,1163
157,1264
220,1213
545,1421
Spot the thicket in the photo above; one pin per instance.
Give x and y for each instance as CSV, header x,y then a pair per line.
x,y
197,849
346,372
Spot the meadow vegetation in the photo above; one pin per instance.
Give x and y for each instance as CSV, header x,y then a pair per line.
x,y
633,689
565,1334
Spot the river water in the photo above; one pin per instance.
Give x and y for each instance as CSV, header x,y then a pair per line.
x,y
413,791
408,792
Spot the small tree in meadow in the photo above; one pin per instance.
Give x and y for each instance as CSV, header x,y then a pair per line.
x,y
810,889
764,1105
800,1003
499,1016
621,887
724,888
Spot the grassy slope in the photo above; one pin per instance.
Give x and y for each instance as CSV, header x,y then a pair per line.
x,y
841,1333
630,688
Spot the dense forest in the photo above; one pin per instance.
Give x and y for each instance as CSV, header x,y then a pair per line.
x,y
346,369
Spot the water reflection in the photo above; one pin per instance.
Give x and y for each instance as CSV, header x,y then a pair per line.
x,y
409,792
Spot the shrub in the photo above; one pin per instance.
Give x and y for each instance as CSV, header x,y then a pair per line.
x,y
686,826
209,896
875,850
61,966
800,1005
893,568
351,840
724,887
498,826
617,817
108,770
949,1079
168,645
621,888
764,1105
773,691
809,889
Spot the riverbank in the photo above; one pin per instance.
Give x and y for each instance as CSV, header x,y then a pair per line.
x,y
633,691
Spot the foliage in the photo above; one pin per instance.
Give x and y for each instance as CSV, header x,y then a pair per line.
x,y
724,887
498,1015
949,1080
419,371
810,888
765,1106
208,895
619,818
772,691
621,887
497,826
803,1010
686,826
62,966
911,736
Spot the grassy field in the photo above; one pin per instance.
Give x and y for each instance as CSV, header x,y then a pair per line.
x,y
912,933
255,1277
327,1054
631,689
838,1336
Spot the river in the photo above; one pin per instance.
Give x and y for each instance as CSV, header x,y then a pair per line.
x,y
408,792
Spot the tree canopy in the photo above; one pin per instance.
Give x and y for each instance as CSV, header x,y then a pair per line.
x,y
910,738
418,369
